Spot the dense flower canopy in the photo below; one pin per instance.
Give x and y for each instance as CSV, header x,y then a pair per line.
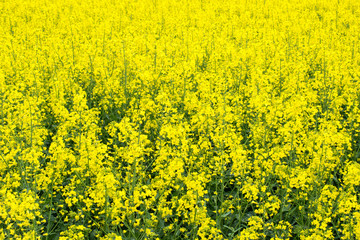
x,y
179,119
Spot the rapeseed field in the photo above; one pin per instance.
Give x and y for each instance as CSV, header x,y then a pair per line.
x,y
180,119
